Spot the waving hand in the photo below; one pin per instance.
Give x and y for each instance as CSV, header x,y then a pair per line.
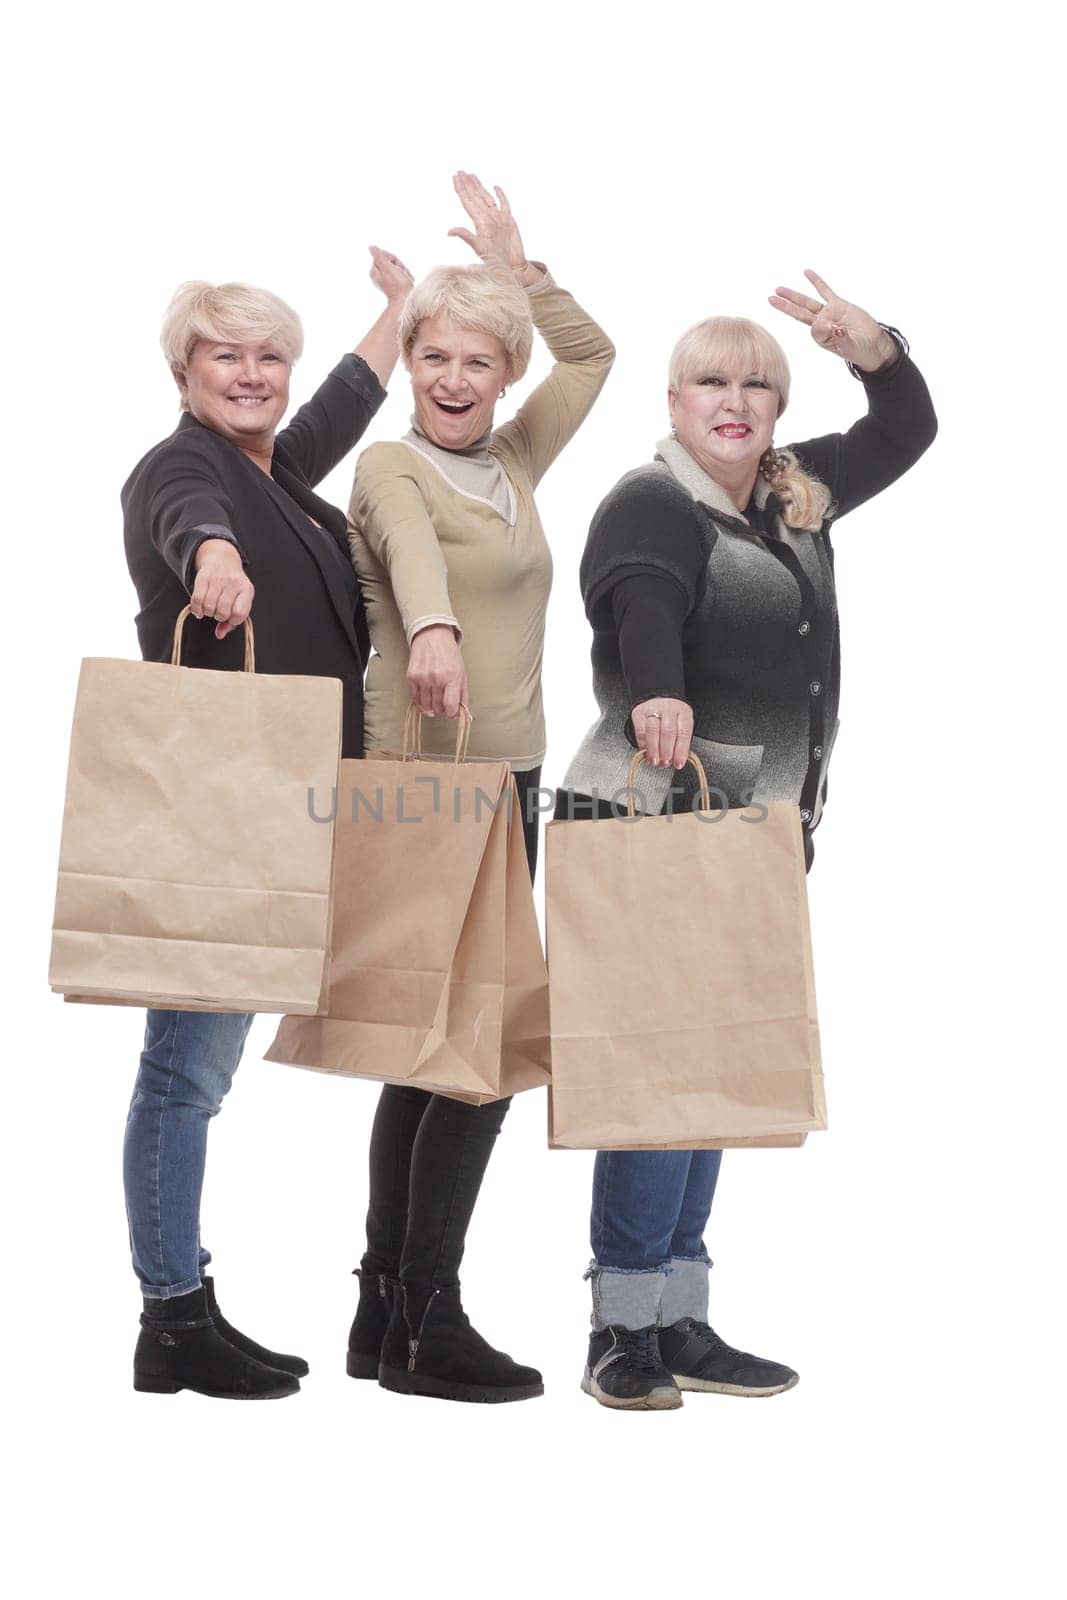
x,y
837,325
496,237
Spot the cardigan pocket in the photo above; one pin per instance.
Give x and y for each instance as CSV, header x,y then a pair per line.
x,y
732,769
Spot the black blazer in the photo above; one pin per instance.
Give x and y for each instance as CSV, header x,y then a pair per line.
x,y
196,485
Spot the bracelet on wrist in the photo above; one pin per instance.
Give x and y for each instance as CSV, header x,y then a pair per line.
x,y
903,349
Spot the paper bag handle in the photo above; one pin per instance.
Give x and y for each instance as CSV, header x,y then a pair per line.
x,y
179,629
694,762
412,740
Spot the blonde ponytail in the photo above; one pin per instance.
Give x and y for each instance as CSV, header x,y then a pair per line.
x,y
805,500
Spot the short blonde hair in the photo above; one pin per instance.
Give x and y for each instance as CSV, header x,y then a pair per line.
x,y
480,298
225,313
731,344
734,344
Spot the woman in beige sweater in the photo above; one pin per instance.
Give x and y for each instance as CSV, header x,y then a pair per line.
x,y
455,572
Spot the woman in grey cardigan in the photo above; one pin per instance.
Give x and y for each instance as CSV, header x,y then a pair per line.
x,y
708,579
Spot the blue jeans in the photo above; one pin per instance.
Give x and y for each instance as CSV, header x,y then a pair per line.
x,y
187,1065
650,1208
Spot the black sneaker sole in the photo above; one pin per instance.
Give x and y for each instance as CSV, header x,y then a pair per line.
x,y
146,1385
703,1386
401,1381
361,1366
662,1399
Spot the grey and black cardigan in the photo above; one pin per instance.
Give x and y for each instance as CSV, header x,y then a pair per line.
x,y
735,615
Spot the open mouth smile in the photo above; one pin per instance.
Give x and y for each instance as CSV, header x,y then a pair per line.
x,y
733,430
454,408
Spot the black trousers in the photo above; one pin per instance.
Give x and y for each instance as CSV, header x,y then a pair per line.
x,y
428,1156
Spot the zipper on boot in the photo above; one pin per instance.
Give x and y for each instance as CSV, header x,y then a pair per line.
x,y
413,1344
382,1279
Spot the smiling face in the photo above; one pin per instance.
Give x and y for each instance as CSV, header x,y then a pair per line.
x,y
725,419
239,390
456,378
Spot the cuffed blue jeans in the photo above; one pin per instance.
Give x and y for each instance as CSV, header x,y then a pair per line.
x,y
187,1066
650,1209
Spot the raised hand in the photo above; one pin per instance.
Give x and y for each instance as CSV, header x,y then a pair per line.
x,y
496,237
837,325
389,274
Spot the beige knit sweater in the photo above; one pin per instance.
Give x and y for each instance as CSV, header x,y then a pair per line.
x,y
425,551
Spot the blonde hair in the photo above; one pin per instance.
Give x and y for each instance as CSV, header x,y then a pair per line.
x,y
479,298
734,344
227,313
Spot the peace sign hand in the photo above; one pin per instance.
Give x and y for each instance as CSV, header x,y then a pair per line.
x,y
496,237
837,325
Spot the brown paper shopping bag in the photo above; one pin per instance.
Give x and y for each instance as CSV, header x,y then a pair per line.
x,y
681,981
437,978
191,874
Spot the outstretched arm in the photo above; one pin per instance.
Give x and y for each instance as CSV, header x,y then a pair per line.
x,y
190,522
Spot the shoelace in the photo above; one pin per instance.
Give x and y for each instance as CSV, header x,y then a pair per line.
x,y
704,1331
642,1347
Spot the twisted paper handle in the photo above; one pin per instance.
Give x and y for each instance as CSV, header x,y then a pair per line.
x,y
412,740
179,629
694,761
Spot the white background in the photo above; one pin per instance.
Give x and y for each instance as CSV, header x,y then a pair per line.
x,y
668,163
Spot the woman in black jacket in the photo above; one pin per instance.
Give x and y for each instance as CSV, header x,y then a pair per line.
x,y
222,513
708,579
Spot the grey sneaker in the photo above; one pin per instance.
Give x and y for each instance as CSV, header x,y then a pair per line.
x,y
625,1372
699,1359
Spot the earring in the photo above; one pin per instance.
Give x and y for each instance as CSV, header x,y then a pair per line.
x,y
502,393
674,431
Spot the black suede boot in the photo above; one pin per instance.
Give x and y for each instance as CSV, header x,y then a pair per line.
x,y
430,1348
240,1341
181,1348
376,1294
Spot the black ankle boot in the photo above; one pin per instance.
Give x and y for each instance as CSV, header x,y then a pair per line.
x,y
430,1348
376,1294
181,1348
240,1341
